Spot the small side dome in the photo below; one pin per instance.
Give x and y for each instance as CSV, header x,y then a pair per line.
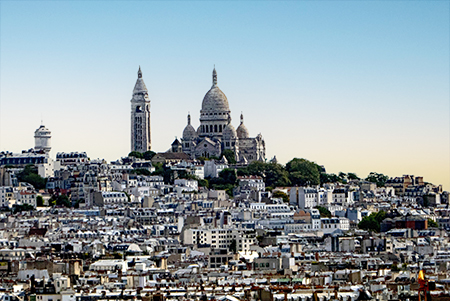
x,y
242,131
189,132
229,132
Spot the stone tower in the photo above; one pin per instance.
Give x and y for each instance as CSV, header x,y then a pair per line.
x,y
42,138
140,117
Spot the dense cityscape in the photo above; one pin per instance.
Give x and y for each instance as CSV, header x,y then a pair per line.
x,y
212,218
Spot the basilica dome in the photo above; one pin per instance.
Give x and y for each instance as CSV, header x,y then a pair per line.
x,y
215,100
229,132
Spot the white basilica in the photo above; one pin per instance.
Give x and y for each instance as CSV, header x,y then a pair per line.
x,y
216,133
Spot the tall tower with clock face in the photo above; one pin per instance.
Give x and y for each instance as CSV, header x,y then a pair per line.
x,y
140,117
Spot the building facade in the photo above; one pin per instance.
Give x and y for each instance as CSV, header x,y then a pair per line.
x,y
140,117
216,133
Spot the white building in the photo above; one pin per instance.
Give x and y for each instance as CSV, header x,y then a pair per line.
x,y
187,184
109,265
252,183
6,196
329,225
310,197
219,238
26,197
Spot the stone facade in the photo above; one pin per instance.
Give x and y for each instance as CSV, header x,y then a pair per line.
x,y
216,133
140,117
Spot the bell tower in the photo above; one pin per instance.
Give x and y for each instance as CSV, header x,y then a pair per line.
x,y
140,117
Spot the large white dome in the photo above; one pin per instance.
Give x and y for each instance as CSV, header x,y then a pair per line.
x,y
215,101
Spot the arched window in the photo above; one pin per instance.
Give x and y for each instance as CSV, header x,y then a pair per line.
x,y
215,128
220,128
211,128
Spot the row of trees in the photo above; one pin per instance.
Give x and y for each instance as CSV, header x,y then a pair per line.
x,y
302,172
298,172
148,155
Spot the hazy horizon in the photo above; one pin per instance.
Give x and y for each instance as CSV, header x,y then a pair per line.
x,y
354,86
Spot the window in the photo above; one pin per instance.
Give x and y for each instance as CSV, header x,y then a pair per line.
x,y
215,128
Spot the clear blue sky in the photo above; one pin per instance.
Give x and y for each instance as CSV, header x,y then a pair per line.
x,y
357,86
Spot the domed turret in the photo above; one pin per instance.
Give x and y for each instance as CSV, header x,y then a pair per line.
x,y
242,131
229,132
42,137
189,132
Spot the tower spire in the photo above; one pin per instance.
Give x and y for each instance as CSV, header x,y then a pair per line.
x,y
189,118
242,117
214,76
139,72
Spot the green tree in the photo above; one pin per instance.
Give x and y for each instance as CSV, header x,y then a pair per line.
x,y
282,195
136,155
394,267
328,178
432,223
276,176
303,172
60,200
30,175
228,175
20,208
141,171
255,168
273,174
148,155
373,221
229,154
203,183
159,169
324,212
377,178
342,177
226,180
39,201
352,176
